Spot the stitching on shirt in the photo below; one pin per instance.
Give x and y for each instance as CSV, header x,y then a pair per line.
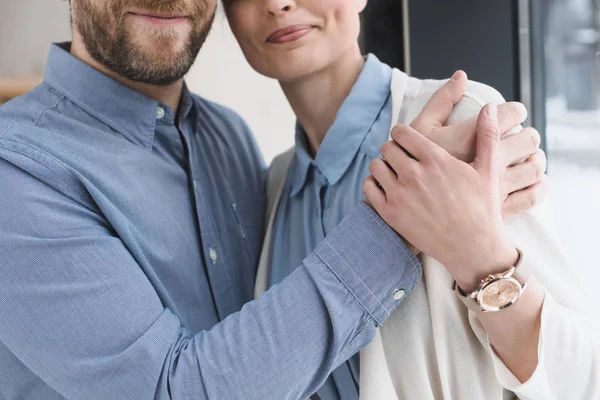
x,y
6,130
91,112
41,155
361,281
61,98
406,255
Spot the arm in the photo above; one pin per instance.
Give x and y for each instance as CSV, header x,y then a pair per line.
x,y
548,340
438,189
78,311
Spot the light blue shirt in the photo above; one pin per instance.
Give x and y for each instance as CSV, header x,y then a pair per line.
x,y
129,239
320,192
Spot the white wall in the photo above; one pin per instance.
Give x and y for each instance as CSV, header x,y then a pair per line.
x,y
222,74
27,27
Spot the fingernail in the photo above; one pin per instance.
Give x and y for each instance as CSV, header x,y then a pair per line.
x,y
492,112
456,75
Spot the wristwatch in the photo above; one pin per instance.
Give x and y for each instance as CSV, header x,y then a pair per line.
x,y
497,292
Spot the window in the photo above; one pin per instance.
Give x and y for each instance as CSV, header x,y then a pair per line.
x,y
571,44
544,53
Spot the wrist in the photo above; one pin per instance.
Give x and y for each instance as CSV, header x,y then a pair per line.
x,y
480,266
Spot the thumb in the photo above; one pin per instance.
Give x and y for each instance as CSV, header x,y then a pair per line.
x,y
438,108
488,140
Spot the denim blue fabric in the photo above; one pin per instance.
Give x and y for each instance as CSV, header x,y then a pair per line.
x,y
129,239
320,191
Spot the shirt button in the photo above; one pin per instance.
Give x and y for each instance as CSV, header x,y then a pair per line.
x,y
399,294
160,113
212,254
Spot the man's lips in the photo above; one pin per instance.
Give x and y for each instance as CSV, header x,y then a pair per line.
x,y
159,18
289,34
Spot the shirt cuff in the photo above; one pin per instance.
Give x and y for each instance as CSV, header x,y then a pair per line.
x,y
371,261
536,385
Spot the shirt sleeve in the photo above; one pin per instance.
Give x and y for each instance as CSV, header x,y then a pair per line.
x,y
78,311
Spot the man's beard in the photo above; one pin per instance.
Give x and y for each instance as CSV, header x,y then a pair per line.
x,y
107,39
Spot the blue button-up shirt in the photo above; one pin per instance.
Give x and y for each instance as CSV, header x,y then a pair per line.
x,y
129,238
319,192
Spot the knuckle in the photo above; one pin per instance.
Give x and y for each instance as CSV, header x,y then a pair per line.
x,y
491,132
411,175
515,114
535,138
399,132
534,170
387,148
365,188
376,165
373,166
438,155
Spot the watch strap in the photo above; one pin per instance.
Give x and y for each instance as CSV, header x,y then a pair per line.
x,y
522,274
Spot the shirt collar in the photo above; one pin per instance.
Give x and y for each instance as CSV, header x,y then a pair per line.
x,y
125,110
352,124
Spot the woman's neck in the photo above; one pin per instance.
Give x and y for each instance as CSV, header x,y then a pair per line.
x,y
317,98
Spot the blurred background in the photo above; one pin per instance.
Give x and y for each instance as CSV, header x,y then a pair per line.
x,y
544,53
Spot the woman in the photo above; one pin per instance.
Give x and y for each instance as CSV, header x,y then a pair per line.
x,y
432,347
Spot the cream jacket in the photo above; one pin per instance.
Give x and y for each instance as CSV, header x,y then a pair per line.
x,y
433,347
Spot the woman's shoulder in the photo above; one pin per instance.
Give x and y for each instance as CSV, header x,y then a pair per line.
x,y
277,174
419,91
476,91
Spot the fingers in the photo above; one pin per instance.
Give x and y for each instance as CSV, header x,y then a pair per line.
x,y
524,174
519,146
488,140
382,173
510,115
375,195
438,108
523,200
408,139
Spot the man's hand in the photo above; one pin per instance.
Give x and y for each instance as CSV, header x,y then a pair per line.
x,y
447,208
522,184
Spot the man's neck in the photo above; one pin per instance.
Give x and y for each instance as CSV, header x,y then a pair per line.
x,y
316,99
169,94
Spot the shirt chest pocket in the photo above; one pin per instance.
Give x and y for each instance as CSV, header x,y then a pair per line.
x,y
250,226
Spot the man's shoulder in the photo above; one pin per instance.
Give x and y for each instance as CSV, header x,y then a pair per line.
x,y
32,148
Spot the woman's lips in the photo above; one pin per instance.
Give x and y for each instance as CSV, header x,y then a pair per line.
x,y
289,34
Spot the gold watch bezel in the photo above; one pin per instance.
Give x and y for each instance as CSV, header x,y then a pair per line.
x,y
481,292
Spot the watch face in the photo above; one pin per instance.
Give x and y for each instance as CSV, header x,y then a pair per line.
x,y
499,294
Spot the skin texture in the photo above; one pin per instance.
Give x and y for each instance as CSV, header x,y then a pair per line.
x,y
148,55
318,71
463,166
113,37
433,189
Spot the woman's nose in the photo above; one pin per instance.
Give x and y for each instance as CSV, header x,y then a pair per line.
x,y
280,7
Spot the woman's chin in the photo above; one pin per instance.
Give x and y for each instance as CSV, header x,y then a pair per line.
x,y
288,72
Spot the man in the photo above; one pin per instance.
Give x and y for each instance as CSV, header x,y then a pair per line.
x,y
131,220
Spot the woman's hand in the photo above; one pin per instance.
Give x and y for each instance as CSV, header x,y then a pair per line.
x,y
522,183
445,207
